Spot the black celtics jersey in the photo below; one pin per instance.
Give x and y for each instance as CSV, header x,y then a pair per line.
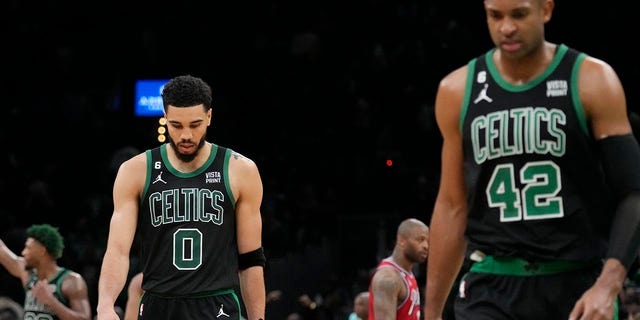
x,y
33,309
187,226
535,187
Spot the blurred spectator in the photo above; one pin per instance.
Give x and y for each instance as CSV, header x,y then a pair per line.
x,y
360,307
10,310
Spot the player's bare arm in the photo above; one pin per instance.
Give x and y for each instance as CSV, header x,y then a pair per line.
x,y
448,221
13,263
74,288
246,186
126,194
603,98
387,287
134,291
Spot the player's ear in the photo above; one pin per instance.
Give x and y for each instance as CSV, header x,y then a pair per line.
x,y
547,9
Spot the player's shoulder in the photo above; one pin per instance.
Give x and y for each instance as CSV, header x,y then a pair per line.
x,y
593,67
455,80
74,274
75,280
238,159
597,79
243,172
135,163
386,275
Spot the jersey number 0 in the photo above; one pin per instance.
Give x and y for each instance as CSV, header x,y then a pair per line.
x,y
187,249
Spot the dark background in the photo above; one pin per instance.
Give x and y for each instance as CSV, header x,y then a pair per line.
x,y
318,93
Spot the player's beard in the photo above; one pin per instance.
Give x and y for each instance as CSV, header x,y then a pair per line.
x,y
187,157
414,256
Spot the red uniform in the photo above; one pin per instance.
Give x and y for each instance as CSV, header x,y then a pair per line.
x,y
409,308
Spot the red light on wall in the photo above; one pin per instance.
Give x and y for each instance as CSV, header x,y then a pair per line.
x,y
389,162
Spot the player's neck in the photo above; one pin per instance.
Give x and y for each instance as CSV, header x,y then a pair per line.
x,y
47,270
398,259
521,70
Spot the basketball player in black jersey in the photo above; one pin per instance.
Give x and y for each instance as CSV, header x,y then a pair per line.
x,y
51,291
196,207
539,179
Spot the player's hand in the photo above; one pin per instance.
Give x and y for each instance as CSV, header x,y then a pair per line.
x,y
595,304
43,292
108,315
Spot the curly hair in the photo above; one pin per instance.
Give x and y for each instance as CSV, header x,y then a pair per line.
x,y
49,236
186,91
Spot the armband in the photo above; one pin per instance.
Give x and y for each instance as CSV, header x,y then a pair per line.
x,y
624,241
252,258
620,160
